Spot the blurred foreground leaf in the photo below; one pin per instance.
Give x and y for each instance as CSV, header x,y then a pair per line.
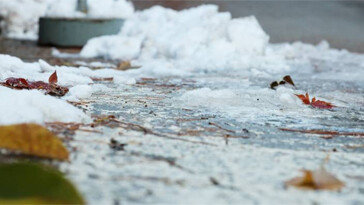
x,y
27,183
32,139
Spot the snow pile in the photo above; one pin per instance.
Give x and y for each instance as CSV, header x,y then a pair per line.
x,y
21,16
79,92
24,106
96,9
168,38
321,61
168,42
112,47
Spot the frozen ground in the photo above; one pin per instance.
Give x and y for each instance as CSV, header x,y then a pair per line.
x,y
189,159
199,121
188,149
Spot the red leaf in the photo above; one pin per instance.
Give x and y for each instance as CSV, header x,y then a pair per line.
x,y
315,103
305,98
321,104
53,78
19,83
50,88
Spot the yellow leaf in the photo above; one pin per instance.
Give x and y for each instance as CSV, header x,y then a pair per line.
x,y
126,65
32,139
317,179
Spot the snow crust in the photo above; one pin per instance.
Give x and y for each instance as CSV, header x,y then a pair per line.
x,y
96,9
21,16
250,103
25,106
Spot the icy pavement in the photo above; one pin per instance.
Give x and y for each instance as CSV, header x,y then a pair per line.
x,y
207,154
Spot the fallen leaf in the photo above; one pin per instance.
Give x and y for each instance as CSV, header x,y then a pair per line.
x,y
282,82
18,83
305,98
288,79
273,85
51,88
53,78
315,103
126,65
317,179
321,104
28,183
32,139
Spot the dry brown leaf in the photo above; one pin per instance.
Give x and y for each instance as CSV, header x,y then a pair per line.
x,y
317,179
126,65
288,79
32,139
53,78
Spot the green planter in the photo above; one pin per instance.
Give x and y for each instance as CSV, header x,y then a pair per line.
x,y
75,32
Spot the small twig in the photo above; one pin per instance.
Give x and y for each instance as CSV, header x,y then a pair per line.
x,y
324,132
220,127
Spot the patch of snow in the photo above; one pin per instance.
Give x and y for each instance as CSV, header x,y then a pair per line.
x,y
67,76
58,54
96,9
252,104
112,47
78,92
21,17
124,80
25,106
